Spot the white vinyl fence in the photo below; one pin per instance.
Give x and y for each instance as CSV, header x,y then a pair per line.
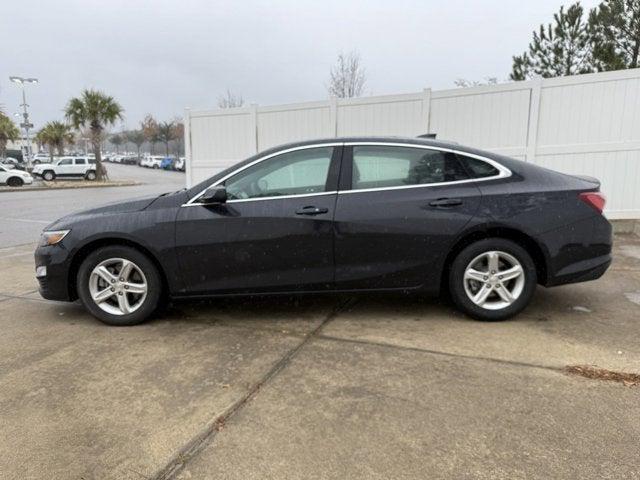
x,y
586,124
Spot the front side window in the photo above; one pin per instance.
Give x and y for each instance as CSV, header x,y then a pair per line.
x,y
388,166
295,173
65,161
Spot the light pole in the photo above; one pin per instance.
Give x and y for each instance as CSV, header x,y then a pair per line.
x,y
25,114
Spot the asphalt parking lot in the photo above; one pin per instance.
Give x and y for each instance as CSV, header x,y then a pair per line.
x,y
321,387
375,386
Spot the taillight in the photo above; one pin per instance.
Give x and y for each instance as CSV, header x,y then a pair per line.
x,y
594,199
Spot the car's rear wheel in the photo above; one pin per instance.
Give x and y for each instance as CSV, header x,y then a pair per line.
x,y
15,182
91,175
492,279
48,175
119,285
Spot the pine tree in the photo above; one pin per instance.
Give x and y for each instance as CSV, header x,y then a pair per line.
x,y
560,48
614,30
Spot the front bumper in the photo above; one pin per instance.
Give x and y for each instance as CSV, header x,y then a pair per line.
x,y
55,284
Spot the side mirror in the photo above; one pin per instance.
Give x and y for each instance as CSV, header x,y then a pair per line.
x,y
216,194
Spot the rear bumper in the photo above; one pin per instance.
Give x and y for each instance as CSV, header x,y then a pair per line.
x,y
578,252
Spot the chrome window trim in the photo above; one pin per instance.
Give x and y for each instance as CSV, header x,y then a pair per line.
x,y
504,172
192,201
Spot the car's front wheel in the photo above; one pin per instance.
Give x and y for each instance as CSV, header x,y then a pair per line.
x,y
49,175
15,182
492,279
119,285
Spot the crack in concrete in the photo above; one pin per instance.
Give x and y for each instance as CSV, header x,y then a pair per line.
x,y
441,353
204,438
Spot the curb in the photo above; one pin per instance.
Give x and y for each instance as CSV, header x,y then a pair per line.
x,y
69,187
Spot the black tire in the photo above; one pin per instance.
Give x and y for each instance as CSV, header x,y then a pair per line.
x,y
15,182
36,162
48,175
156,167
90,175
154,285
457,283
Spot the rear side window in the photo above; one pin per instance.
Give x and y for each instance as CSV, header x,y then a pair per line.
x,y
81,161
389,166
479,168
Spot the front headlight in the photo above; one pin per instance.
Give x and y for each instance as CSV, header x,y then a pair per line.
x,y
52,237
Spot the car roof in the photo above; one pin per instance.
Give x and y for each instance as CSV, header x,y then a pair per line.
x,y
385,139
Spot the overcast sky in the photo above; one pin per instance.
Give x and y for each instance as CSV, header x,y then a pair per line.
x,y
161,56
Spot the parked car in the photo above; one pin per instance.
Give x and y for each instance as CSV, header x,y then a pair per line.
x,y
351,214
180,164
67,167
41,158
167,163
11,162
14,177
130,160
153,161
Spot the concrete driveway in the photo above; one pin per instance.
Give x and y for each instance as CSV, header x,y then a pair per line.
x,y
379,386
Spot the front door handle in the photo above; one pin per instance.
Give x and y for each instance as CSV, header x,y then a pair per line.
x,y
446,202
311,210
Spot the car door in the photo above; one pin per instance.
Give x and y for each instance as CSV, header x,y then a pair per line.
x,y
79,166
274,233
4,174
64,168
398,208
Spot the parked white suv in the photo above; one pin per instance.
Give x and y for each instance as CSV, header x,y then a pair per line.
x,y
67,167
153,161
14,177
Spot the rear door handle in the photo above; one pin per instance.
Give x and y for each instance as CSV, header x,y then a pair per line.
x,y
446,202
311,210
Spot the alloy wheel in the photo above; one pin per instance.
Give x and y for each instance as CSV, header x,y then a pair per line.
x,y
118,286
494,280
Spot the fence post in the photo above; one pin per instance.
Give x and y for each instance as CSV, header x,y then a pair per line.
x,y
534,117
426,110
254,126
187,146
333,115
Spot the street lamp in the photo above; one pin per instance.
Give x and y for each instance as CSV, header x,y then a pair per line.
x,y
25,114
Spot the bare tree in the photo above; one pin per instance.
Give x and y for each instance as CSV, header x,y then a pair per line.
x,y
230,100
347,77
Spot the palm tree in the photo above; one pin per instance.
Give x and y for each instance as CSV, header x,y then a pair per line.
x,y
95,111
166,133
8,133
43,137
59,134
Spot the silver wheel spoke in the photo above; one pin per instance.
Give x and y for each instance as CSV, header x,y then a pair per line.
x,y
106,275
482,295
504,294
135,287
102,295
511,273
473,274
123,304
493,261
125,271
